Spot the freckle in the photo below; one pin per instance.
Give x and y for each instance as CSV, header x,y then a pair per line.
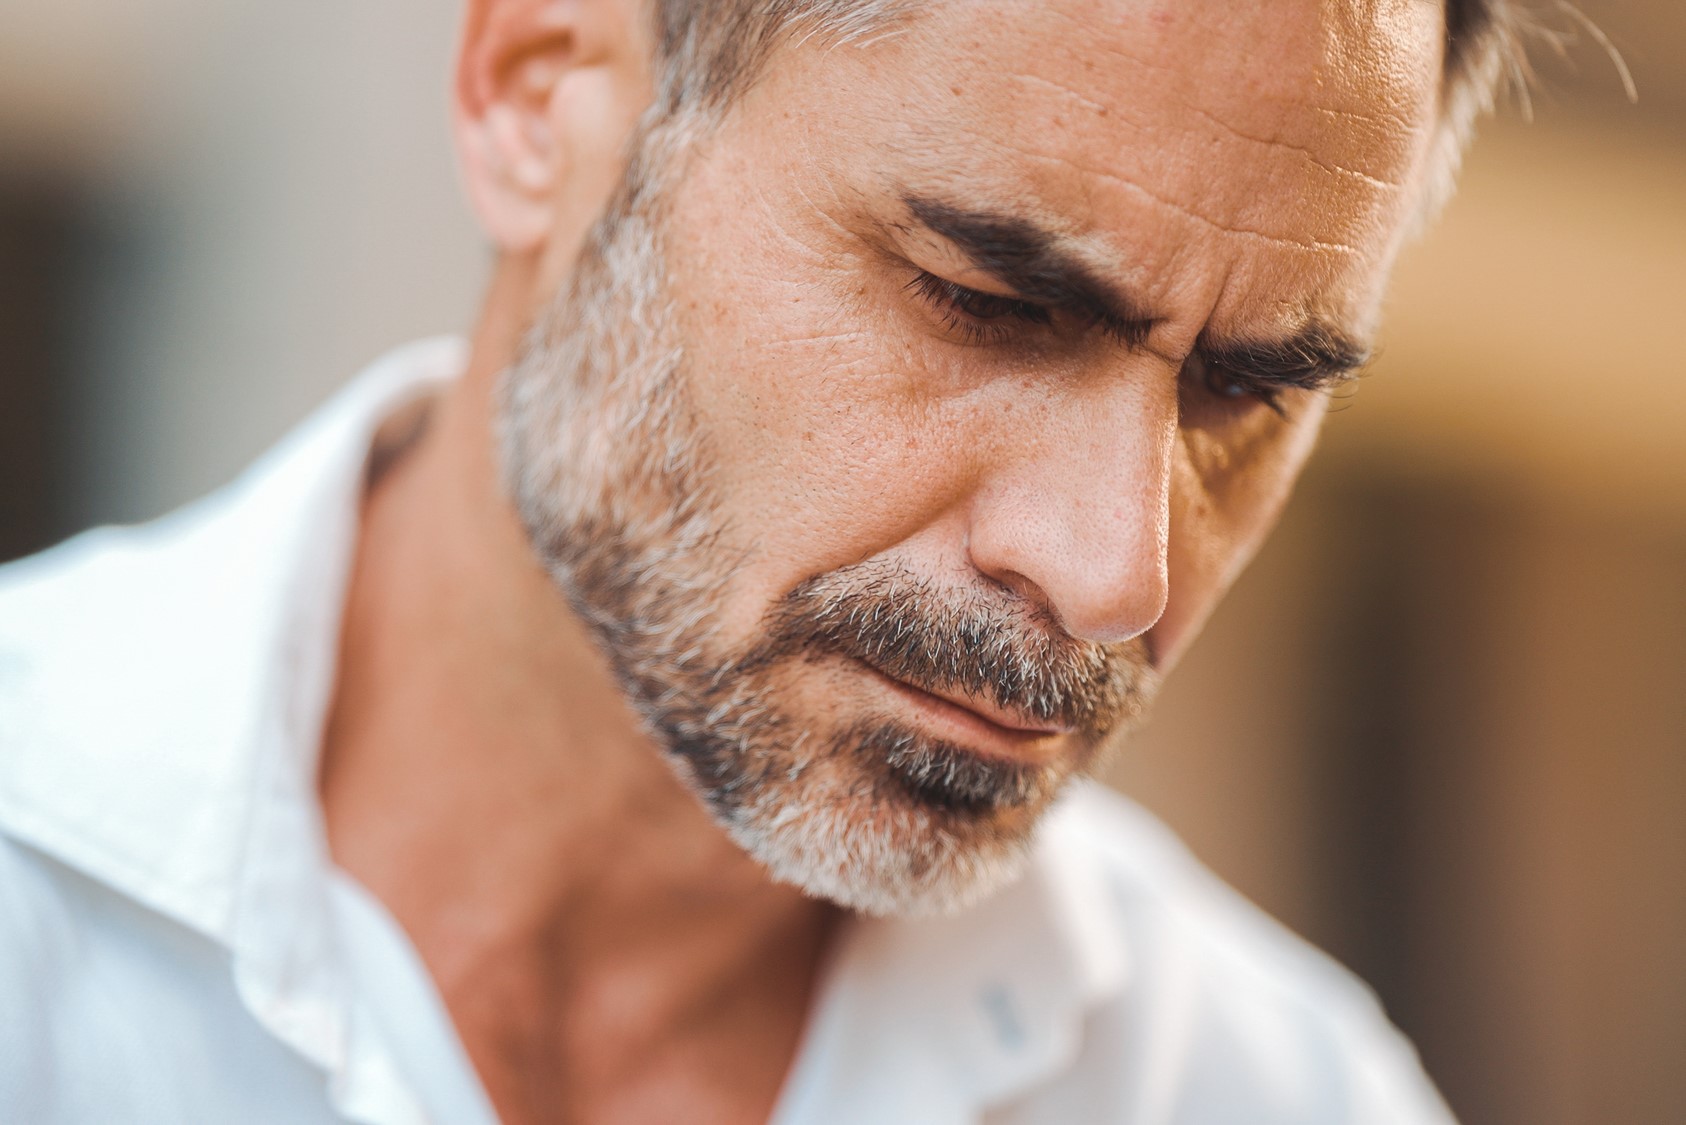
x,y
956,91
807,435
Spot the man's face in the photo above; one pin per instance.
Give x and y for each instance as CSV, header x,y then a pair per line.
x,y
960,374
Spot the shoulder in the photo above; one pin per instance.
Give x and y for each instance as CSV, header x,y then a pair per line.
x,y
1243,1020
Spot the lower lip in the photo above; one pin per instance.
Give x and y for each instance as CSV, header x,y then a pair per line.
x,y
957,724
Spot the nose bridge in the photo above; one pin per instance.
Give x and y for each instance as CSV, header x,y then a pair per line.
x,y
1077,514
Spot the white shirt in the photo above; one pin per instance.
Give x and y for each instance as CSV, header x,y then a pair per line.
x,y
176,946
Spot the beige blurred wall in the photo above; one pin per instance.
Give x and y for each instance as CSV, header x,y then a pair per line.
x,y
281,203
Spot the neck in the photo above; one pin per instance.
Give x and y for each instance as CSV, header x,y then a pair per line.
x,y
483,776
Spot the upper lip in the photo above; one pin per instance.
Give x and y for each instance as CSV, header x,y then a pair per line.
x,y
989,711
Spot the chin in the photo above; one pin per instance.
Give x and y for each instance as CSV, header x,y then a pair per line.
x,y
884,819
891,860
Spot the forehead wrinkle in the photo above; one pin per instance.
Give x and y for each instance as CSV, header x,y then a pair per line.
x,y
1334,61
1021,136
928,138
1159,200
1311,155
1098,108
1333,167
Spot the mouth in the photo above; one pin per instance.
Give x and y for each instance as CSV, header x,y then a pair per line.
x,y
971,720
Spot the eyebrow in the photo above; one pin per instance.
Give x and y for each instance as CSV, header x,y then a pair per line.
x,y
1034,263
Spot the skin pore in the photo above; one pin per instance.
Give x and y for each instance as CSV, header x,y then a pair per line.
x,y
1030,304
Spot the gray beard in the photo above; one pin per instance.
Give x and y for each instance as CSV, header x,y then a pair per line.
x,y
610,474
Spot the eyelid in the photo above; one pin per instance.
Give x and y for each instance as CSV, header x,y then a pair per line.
x,y
1042,312
949,300
938,287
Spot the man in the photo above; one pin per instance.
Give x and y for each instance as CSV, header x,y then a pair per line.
x,y
668,709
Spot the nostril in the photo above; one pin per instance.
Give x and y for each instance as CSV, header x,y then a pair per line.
x,y
1027,591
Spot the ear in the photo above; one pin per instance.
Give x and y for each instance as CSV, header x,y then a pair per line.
x,y
545,98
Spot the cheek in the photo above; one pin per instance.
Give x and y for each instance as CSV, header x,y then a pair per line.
x,y
840,454
1227,490
831,435
825,447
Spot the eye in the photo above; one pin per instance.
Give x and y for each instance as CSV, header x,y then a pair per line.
x,y
974,316
1227,390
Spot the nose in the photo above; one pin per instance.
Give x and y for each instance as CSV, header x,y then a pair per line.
x,y
1076,516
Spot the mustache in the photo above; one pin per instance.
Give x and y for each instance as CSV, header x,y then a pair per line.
x,y
978,640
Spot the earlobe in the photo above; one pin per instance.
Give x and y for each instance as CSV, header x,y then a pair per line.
x,y
514,66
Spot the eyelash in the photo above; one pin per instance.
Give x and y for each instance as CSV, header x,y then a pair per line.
x,y
977,318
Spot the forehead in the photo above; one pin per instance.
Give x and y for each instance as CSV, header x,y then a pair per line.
x,y
1212,155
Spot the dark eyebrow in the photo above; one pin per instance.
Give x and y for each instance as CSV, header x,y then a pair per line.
x,y
1032,262
1316,357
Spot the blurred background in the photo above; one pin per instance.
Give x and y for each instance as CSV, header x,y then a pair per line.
x,y
1439,728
